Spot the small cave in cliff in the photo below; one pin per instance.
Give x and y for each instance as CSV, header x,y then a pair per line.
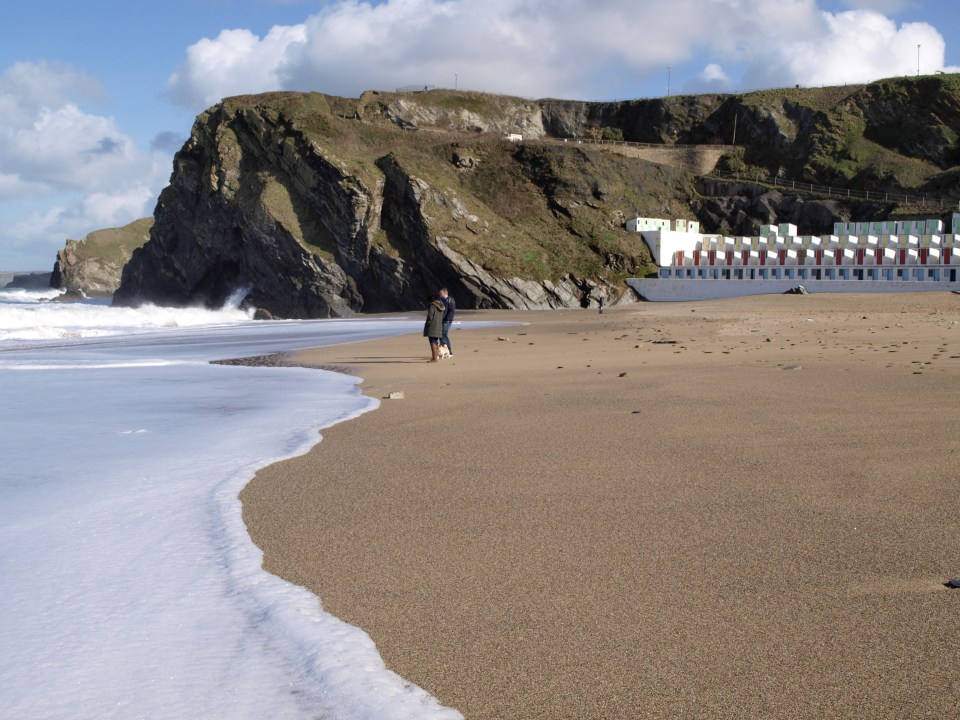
x,y
219,284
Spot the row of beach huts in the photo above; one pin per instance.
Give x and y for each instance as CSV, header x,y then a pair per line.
x,y
877,256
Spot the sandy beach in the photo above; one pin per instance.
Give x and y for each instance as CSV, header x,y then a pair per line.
x,y
744,508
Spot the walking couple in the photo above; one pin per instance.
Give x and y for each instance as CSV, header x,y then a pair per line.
x,y
440,313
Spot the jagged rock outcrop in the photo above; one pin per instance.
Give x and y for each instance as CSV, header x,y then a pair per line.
x,y
888,135
278,201
255,212
92,267
306,205
917,118
458,112
24,281
494,292
741,208
654,120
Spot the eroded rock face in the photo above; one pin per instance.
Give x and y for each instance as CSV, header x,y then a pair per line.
x,y
92,267
462,113
741,208
256,213
24,281
258,210
306,206
84,277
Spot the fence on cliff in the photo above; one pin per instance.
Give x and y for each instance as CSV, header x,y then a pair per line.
x,y
775,181
781,183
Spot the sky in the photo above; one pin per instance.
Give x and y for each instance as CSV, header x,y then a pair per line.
x,y
97,96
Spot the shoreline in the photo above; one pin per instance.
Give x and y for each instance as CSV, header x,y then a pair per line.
x,y
621,517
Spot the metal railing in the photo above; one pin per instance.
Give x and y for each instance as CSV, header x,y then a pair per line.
x,y
777,182
646,145
833,192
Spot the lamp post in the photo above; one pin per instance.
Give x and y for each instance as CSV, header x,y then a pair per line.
x,y
456,80
918,60
668,81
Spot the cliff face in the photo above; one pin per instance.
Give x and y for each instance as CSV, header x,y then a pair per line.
x,y
307,213
251,208
313,206
888,135
92,266
456,112
24,281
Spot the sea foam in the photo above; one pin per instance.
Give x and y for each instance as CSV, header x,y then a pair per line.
x,y
130,585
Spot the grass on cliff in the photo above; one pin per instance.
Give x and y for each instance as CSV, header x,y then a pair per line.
x,y
293,215
534,212
480,103
882,136
544,211
846,157
820,99
541,211
114,246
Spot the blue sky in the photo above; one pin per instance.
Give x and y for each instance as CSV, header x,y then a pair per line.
x,y
96,97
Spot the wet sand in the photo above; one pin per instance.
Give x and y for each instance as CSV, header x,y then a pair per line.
x,y
738,508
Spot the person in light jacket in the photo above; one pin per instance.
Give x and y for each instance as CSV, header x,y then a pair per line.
x,y
433,327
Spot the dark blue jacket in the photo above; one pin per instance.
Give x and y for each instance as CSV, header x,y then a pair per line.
x,y
449,308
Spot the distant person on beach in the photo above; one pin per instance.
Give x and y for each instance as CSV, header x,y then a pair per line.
x,y
601,303
449,309
433,327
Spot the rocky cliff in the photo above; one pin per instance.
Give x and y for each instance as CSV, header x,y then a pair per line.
x,y
889,135
308,205
308,211
92,266
24,280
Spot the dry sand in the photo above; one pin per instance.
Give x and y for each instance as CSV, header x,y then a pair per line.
x,y
740,508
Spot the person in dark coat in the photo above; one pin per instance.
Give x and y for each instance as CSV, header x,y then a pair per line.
x,y
449,309
433,327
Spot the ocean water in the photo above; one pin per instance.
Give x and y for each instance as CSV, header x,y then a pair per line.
x,y
129,587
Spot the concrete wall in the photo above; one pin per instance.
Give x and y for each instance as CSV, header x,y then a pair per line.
x,y
677,290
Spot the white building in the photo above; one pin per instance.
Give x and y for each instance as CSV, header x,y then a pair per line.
x,y
666,237
885,256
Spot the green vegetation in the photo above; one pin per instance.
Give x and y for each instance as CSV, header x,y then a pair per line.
x,y
818,99
114,246
292,214
543,210
735,162
288,104
471,101
536,212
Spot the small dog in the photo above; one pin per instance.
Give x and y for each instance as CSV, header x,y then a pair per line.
x,y
444,352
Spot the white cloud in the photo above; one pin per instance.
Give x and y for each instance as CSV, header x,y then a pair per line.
x,y
104,210
31,232
850,47
573,49
167,142
712,78
887,7
13,186
566,49
236,62
46,139
66,171
26,88
67,148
